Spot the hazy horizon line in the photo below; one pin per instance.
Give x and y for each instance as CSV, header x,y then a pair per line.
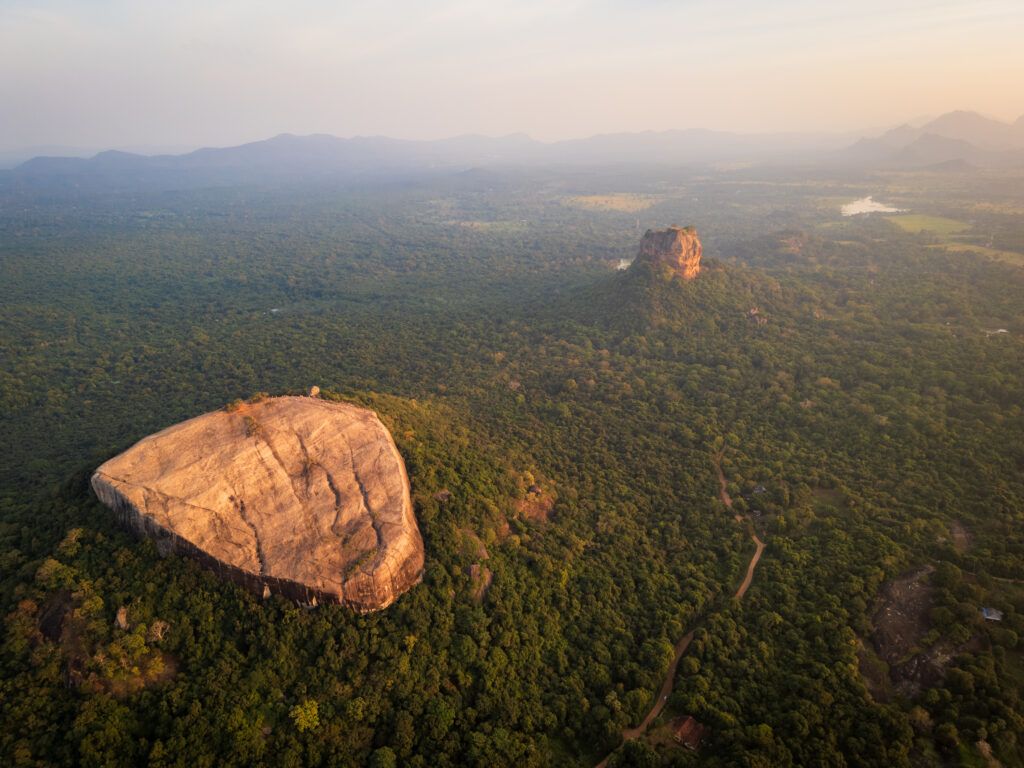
x,y
154,149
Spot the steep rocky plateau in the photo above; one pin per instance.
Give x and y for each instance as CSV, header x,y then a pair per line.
x,y
678,248
289,495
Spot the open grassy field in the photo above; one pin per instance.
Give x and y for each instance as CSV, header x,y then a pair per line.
x,y
624,202
915,222
1010,257
505,226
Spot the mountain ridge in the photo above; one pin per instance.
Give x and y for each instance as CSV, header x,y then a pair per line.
x,y
956,137
287,152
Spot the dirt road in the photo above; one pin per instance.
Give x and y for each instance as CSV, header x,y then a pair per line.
x,y
750,568
684,642
665,691
723,492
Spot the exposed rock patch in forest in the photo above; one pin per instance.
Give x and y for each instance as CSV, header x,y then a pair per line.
x,y
900,622
481,577
295,495
678,248
129,662
900,638
537,505
961,537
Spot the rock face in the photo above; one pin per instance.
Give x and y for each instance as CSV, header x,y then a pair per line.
x,y
676,247
291,495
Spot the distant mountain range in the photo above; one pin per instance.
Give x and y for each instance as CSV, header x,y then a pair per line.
x,y
323,155
956,139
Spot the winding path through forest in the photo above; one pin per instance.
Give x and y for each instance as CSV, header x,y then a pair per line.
x,y
684,642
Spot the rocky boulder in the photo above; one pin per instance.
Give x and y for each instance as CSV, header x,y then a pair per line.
x,y
290,495
678,248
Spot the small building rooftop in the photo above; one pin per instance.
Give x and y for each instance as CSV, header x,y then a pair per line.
x,y
688,732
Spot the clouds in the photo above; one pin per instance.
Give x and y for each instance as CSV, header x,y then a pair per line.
x,y
112,73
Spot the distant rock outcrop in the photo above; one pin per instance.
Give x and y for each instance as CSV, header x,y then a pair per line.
x,y
289,495
678,248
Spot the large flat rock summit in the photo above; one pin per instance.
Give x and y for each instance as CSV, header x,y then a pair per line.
x,y
291,495
678,248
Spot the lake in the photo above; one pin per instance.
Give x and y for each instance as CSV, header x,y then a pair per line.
x,y
868,205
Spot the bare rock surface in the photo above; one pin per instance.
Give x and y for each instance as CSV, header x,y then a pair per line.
x,y
676,247
291,495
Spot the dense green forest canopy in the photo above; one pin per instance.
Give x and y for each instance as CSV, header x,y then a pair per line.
x,y
849,375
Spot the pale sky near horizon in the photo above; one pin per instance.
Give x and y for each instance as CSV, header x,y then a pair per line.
x,y
121,73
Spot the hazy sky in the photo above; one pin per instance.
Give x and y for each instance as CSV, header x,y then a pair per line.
x,y
113,73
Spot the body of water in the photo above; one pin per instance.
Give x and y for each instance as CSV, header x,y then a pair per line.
x,y
868,205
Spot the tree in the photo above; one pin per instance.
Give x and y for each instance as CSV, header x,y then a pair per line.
x,y
946,735
384,757
305,715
